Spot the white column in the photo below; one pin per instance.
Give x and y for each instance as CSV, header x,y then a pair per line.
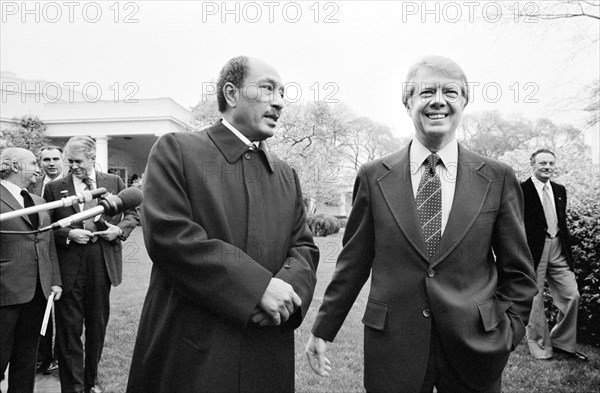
x,y
101,153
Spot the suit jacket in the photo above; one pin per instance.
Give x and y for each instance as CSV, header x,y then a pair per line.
x,y
219,223
25,257
535,220
69,255
37,188
477,289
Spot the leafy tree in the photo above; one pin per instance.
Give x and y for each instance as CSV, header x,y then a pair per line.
x,y
206,112
28,133
491,135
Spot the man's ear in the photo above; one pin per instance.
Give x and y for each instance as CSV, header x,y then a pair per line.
x,y
407,107
231,94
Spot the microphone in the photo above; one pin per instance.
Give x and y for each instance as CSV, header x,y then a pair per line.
x,y
110,204
82,197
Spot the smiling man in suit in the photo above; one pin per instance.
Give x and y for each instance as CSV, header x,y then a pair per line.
x,y
90,258
550,244
440,230
29,270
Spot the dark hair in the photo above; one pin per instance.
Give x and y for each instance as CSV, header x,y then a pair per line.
x,y
538,151
234,71
49,147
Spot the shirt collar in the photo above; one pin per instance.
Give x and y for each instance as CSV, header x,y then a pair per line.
x,y
242,137
14,190
448,154
539,184
232,147
91,174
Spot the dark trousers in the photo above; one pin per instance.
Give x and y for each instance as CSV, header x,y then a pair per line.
x,y
441,374
19,336
85,304
45,350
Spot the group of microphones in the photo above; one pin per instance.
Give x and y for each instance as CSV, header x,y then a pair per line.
x,y
107,204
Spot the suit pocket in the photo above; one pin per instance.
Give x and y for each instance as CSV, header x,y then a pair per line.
x,y
486,216
375,315
492,311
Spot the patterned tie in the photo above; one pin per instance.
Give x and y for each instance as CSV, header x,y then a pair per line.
x,y
28,203
429,205
89,223
549,211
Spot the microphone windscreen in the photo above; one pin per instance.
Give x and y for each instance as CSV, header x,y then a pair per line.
x,y
131,197
98,192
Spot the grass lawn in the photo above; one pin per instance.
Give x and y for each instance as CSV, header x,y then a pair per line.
x,y
523,374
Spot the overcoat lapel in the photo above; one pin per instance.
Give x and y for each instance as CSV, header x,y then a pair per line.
x,y
470,193
396,187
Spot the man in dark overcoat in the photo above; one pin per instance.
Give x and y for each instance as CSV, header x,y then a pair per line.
x,y
233,260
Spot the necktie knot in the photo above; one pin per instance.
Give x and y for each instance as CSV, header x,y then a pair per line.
x,y
88,183
25,194
432,161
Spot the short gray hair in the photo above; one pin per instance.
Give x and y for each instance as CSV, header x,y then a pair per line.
x,y
83,143
10,156
442,64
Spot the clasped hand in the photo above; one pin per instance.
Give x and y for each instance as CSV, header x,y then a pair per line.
x,y
276,305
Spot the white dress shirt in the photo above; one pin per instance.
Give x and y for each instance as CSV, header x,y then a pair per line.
x,y
539,187
80,185
446,169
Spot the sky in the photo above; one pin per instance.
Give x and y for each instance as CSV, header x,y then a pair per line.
x,y
355,52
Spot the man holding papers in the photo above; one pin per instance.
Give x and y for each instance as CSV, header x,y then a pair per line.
x,y
29,270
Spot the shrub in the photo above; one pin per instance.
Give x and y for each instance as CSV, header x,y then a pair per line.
x,y
322,224
583,216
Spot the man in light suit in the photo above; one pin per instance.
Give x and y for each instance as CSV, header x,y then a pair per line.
x,y
29,270
550,244
234,262
90,258
50,159
440,230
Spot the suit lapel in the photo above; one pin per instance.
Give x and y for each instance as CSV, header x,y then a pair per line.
x,y
396,187
10,201
559,202
534,202
67,188
469,195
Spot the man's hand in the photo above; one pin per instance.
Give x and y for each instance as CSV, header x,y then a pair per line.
x,y
315,353
111,232
81,236
57,291
279,301
261,318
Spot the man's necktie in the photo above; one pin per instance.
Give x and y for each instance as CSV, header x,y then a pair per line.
x,y
429,205
549,211
89,223
28,203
